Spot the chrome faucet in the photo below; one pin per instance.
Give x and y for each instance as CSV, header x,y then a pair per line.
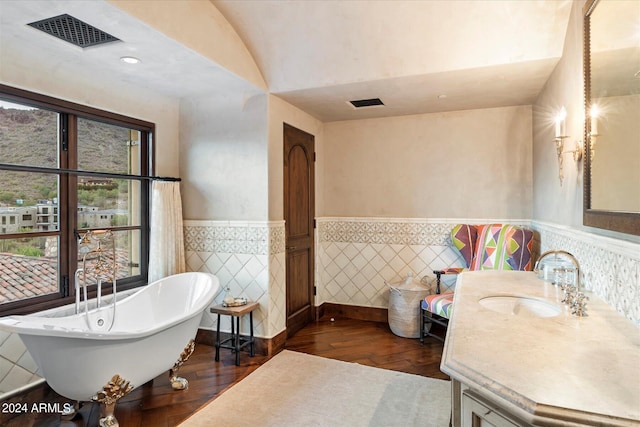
x,y
77,288
573,297
99,267
573,260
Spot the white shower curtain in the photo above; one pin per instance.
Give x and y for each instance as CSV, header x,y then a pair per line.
x,y
166,252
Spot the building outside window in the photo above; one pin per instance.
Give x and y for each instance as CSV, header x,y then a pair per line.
x,y
62,167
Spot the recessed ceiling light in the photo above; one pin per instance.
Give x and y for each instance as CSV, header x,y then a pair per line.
x,y
130,60
443,96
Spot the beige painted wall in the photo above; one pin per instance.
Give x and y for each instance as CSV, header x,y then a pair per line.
x,y
223,157
553,202
460,164
232,155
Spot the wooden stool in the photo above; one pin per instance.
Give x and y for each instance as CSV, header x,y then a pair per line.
x,y
237,342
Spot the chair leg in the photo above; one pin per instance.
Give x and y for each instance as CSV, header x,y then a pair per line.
x,y
431,320
438,274
422,325
425,321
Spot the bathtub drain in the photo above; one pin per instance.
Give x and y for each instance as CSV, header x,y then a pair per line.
x,y
100,322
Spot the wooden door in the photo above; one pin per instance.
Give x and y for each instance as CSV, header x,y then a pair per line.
x,y
299,227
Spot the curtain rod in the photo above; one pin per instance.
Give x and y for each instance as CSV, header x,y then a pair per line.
x,y
39,169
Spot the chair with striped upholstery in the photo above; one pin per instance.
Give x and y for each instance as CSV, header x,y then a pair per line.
x,y
483,247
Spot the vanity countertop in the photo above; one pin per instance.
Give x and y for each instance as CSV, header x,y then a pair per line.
x,y
560,370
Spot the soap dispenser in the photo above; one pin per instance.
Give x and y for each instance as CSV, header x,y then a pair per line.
x,y
228,298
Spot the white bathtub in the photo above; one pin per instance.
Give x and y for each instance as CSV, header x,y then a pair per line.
x,y
150,330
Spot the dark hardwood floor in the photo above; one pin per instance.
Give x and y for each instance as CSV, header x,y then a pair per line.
x,y
155,404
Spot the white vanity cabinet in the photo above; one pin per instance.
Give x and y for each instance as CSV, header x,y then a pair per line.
x,y
538,367
477,412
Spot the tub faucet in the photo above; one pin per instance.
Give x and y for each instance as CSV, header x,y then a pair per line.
x,y
99,294
76,284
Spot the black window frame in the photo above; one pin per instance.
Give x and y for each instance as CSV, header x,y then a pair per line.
x,y
67,214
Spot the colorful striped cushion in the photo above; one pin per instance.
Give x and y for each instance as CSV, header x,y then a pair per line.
x,y
464,238
484,247
502,247
520,248
440,304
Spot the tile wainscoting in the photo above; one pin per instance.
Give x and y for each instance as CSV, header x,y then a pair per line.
x,y
355,256
610,267
249,258
18,370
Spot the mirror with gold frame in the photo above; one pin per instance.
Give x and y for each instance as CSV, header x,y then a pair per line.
x,y
612,105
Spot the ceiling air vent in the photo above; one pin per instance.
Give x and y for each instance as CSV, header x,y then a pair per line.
x,y
73,30
366,102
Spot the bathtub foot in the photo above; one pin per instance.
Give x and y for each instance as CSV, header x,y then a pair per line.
x,y
115,389
108,419
179,383
70,412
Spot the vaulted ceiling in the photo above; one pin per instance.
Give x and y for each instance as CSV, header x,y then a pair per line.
x,y
416,56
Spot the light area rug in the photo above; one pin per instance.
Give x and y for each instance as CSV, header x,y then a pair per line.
x,y
297,389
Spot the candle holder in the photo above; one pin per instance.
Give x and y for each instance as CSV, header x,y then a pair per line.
x,y
560,151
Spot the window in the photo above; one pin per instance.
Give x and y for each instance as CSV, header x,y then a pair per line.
x,y
66,169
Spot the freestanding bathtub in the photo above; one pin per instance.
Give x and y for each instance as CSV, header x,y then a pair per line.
x,y
150,330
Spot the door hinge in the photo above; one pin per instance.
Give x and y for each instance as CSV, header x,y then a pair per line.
x,y
65,286
64,132
315,290
314,156
314,223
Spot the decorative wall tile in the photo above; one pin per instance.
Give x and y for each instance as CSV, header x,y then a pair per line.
x,y
383,231
257,238
17,368
356,256
277,293
609,267
245,275
248,258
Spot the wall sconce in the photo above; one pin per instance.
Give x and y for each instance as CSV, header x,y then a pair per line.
x,y
560,121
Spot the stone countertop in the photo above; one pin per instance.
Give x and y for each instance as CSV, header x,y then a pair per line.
x,y
558,371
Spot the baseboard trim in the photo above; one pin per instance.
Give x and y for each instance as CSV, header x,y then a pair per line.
x,y
262,346
373,314
271,346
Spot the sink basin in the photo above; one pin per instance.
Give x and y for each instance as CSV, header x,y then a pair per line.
x,y
520,306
